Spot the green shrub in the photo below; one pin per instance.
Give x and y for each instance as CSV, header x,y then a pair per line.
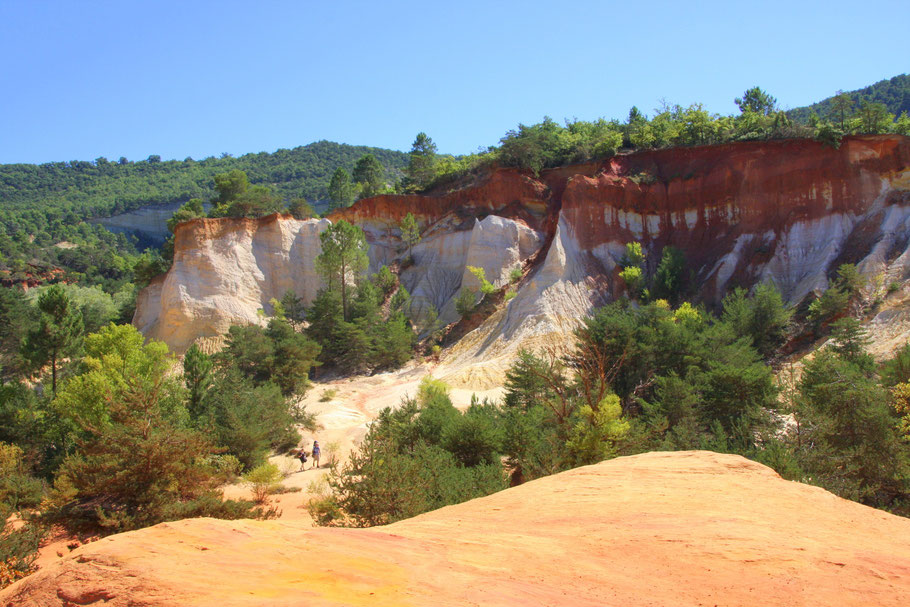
x,y
633,278
262,480
486,287
515,274
671,279
327,395
831,304
18,549
464,302
385,280
226,467
421,456
381,485
281,489
763,317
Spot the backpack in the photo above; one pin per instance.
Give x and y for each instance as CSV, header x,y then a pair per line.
x,y
302,456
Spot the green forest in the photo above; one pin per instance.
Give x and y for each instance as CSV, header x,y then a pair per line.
x,y
893,93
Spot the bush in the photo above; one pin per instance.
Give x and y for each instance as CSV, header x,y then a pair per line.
x,y
380,485
225,467
671,279
246,419
763,317
855,450
212,505
830,305
421,456
327,395
486,287
464,302
385,280
263,480
18,549
134,470
633,278
18,490
515,274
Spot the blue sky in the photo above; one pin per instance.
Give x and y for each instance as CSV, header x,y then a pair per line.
x,y
93,78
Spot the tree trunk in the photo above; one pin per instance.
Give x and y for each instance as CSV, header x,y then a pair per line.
x,y
54,373
344,297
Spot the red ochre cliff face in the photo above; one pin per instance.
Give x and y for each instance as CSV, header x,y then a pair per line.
x,y
787,211
702,200
505,192
698,199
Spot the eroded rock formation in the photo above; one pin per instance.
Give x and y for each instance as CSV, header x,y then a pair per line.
x,y
684,528
787,211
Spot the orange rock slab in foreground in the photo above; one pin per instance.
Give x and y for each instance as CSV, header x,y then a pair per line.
x,y
685,528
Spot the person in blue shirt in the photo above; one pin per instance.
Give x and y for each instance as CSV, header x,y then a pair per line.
x,y
316,453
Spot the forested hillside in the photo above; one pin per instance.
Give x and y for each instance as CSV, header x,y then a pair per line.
x,y
80,189
42,205
893,93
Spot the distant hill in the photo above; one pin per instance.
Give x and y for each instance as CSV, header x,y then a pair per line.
x,y
894,93
79,190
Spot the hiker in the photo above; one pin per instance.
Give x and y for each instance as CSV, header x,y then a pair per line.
x,y
316,453
302,457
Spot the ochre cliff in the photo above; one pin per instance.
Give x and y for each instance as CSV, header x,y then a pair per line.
x,y
788,211
680,529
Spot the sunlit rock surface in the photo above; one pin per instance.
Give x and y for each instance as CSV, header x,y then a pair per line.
x,y
659,529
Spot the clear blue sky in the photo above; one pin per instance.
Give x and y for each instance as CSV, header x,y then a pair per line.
x,y
191,78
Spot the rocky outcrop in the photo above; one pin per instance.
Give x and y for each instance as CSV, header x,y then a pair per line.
x,y
684,528
224,272
148,223
783,211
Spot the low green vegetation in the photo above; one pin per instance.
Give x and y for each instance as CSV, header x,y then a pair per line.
x,y
671,280
100,432
548,144
263,480
422,455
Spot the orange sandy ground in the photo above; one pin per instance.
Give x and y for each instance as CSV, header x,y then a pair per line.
x,y
686,528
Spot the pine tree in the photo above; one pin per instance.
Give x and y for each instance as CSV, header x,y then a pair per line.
x,y
341,190
343,259
197,375
422,165
368,172
410,232
58,333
